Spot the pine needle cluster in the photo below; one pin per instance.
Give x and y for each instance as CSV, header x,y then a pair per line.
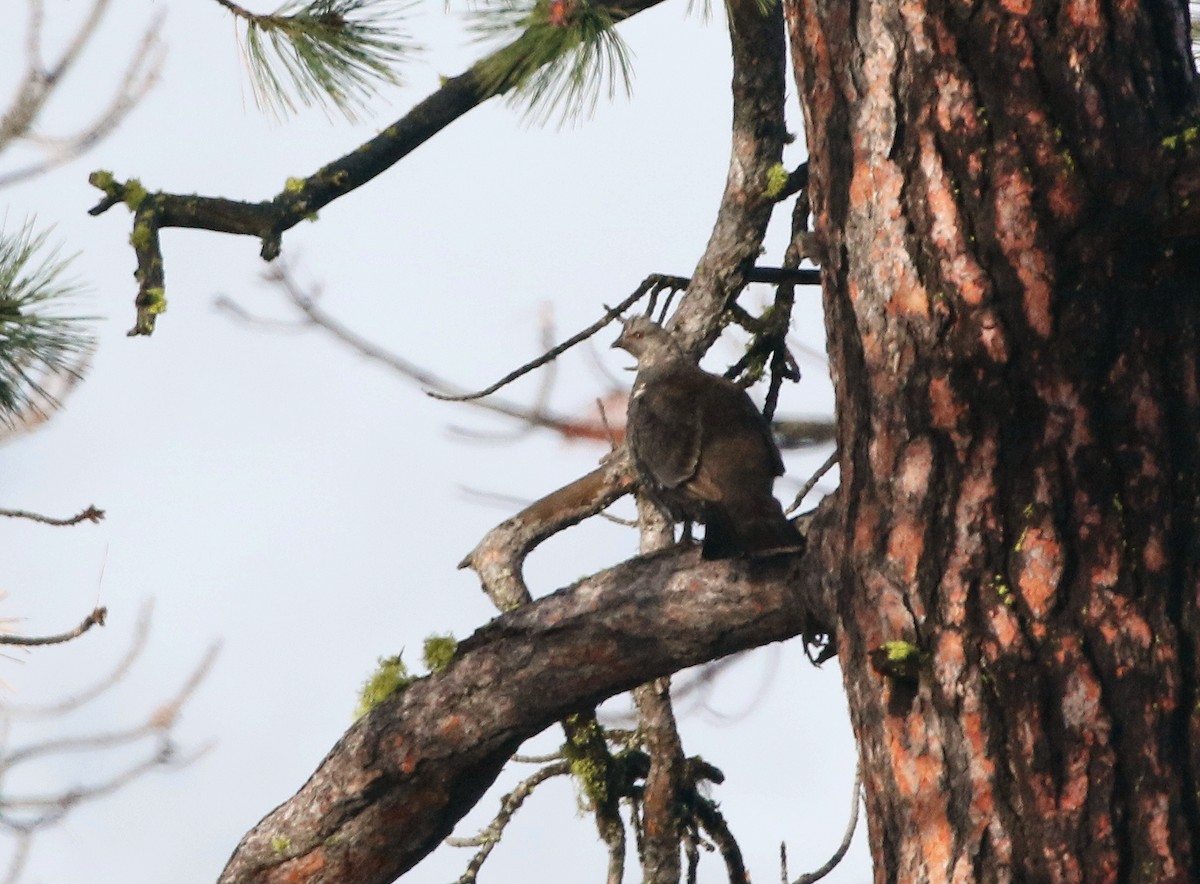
x,y
566,56
37,343
332,54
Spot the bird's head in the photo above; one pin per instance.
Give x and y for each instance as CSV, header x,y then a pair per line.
x,y
647,341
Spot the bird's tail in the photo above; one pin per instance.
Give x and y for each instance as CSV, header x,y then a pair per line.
x,y
761,534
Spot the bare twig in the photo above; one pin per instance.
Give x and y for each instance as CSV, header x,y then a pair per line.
x,y
811,483
489,836
306,303
40,81
655,282
96,618
141,632
537,759
24,815
856,801
90,514
713,822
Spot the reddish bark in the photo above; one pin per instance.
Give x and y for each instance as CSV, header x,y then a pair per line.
x,y
1013,350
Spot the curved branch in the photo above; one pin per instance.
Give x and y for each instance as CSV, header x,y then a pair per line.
x,y
400,778
96,618
498,558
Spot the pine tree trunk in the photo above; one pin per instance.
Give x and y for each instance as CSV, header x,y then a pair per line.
x,y
1013,344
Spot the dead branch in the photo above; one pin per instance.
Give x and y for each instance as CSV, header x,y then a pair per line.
x,y
40,80
141,632
403,774
666,782
811,482
840,853
489,836
315,317
499,556
90,514
95,618
23,816
651,285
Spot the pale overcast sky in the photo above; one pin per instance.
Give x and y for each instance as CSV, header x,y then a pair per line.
x,y
306,507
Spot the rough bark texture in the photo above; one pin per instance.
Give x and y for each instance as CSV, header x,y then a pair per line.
x,y
1013,346
401,777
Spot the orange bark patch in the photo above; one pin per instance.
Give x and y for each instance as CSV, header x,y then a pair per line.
x,y
909,299
300,869
1016,229
905,545
1004,626
949,660
1083,14
945,408
451,726
1153,556
866,528
1040,566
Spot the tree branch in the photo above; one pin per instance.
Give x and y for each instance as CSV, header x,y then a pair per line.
x,y
400,778
759,132
270,219
96,618
90,514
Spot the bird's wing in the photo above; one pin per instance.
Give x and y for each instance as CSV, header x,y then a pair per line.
x,y
730,415
665,424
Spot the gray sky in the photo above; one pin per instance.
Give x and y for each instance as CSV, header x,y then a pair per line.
x,y
306,507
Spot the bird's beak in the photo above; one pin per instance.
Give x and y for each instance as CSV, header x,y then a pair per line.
x,y
619,343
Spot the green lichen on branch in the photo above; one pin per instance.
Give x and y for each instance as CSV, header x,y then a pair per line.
x,y
899,660
777,181
439,651
390,676
587,754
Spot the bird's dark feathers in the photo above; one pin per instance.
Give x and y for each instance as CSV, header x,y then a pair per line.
x,y
702,450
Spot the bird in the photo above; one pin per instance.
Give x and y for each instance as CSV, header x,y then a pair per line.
x,y
701,449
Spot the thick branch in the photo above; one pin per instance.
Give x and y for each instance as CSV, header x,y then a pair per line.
x,y
759,132
396,783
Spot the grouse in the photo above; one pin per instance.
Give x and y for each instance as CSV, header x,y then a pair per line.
x,y
701,449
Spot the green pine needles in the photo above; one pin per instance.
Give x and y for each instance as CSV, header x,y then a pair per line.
x,y
331,54
37,343
567,55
